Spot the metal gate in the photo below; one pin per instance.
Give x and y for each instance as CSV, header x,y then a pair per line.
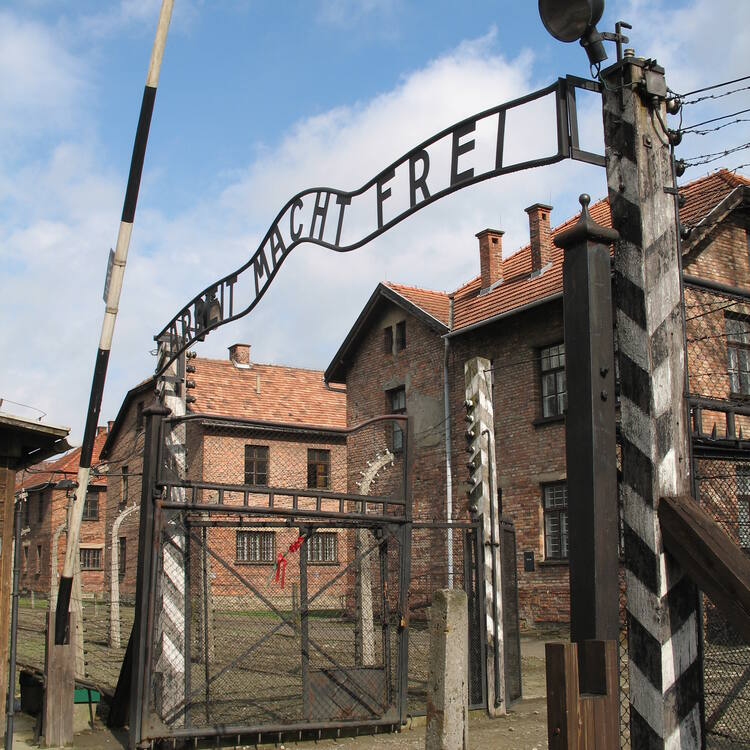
x,y
277,611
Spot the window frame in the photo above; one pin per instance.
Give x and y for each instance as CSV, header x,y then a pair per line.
x,y
737,347
388,340
317,555
139,421
320,458
559,410
39,559
124,484
397,433
400,337
255,459
562,532
96,554
247,559
40,509
87,515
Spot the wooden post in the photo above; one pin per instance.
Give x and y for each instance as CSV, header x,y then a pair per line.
x,y
60,669
7,486
662,605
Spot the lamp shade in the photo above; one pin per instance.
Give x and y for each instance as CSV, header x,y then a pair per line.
x,y
567,20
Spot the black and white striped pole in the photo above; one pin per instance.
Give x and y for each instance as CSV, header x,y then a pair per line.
x,y
110,315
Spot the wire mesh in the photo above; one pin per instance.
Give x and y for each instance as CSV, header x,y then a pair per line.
x,y
724,492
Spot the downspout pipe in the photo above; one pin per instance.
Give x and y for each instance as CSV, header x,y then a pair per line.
x,y
448,449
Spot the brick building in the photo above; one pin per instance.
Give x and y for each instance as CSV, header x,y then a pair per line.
x,y
47,488
248,423
407,350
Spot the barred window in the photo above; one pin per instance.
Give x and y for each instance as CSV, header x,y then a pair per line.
x,y
255,547
40,508
91,507
318,469
256,464
139,416
91,559
555,500
322,548
38,559
738,354
554,392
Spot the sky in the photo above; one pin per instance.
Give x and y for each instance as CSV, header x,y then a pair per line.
x,y
258,100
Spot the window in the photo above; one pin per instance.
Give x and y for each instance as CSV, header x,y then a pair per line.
x,y
554,393
256,464
322,548
318,468
388,340
255,547
401,336
91,559
555,500
40,509
122,556
396,404
124,484
91,507
25,558
139,416
742,473
26,504
738,354
38,559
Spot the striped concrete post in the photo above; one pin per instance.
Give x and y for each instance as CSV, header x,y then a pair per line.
x,y
483,501
169,651
664,669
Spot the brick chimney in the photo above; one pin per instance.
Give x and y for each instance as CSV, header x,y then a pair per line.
x,y
490,257
239,355
540,235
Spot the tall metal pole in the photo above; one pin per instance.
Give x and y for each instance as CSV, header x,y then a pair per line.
x,y
110,315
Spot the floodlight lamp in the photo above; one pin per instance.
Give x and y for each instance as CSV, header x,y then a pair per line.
x,y
572,20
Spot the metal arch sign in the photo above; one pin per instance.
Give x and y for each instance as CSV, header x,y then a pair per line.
x,y
446,162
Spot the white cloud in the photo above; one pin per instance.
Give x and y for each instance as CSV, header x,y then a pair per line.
x,y
59,214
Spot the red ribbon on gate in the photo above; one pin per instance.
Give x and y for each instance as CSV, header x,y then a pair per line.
x,y
281,560
280,568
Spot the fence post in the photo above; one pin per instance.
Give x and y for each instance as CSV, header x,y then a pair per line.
x,y
447,679
662,605
483,504
590,445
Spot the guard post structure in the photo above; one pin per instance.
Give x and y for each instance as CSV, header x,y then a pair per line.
x,y
662,604
482,494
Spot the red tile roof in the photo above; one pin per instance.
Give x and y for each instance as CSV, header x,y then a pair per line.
x,y
519,289
267,393
65,467
435,304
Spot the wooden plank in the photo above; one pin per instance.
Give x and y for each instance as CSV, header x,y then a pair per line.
x,y
709,556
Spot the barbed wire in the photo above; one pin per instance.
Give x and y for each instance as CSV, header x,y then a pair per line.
x,y
697,161
695,127
709,88
715,96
